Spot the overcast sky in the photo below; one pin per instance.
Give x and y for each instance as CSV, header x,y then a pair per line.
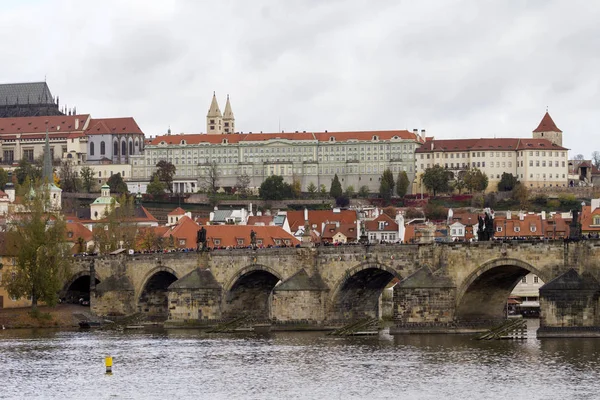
x,y
455,68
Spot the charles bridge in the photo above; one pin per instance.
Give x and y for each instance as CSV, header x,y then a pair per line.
x,y
451,287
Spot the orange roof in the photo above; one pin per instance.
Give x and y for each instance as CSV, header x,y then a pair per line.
x,y
185,233
260,220
56,123
104,126
348,230
76,230
587,219
389,224
318,217
530,226
177,211
298,136
498,144
547,125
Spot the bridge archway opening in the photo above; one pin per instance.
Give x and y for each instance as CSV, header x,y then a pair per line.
x,y
77,291
251,294
154,301
360,294
485,294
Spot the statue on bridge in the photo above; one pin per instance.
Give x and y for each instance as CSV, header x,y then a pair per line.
x,y
201,239
253,238
485,226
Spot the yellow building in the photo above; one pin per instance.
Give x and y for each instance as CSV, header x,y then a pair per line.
x,y
7,263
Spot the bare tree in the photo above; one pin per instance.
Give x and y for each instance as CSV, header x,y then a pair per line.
x,y
578,157
209,180
596,159
69,182
242,183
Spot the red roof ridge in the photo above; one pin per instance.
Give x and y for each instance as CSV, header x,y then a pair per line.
x,y
547,125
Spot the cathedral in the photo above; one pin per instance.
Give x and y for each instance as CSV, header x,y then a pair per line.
x,y
218,123
28,100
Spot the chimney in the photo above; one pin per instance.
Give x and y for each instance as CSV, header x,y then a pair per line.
x,y
9,189
508,215
423,134
521,216
543,215
595,204
305,214
250,208
416,132
76,124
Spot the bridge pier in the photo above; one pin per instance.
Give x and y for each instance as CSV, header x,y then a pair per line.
x,y
114,296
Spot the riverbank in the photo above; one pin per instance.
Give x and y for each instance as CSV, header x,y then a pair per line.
x,y
60,316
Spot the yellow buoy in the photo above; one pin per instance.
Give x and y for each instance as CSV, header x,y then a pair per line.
x,y
108,362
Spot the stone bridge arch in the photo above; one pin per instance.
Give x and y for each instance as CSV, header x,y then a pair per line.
x,y
483,293
151,297
356,294
249,291
77,286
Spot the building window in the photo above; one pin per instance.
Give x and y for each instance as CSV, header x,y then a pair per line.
x,y
102,148
524,280
498,229
91,148
123,148
536,279
116,148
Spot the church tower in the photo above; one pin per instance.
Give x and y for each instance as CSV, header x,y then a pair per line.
x,y
214,118
547,129
228,119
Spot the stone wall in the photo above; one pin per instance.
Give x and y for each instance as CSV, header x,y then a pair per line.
x,y
200,305
291,306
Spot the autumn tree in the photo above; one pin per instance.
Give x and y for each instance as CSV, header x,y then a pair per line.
x,y
25,170
476,180
402,184
42,260
165,171
521,195
3,178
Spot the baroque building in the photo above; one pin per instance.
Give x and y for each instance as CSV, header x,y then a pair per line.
x,y
537,162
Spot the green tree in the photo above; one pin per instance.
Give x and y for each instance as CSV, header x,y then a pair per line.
x,y
459,181
165,171
323,191
42,259
156,187
26,170
3,178
87,178
312,190
402,184
350,192
68,179
476,180
335,190
296,187
274,188
437,179
117,185
363,192
507,182
386,185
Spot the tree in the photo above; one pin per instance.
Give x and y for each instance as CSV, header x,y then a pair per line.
x,y
87,178
437,179
209,182
165,172
363,192
312,190
336,187
118,229
412,213
117,185
42,258
402,184
26,170
68,180
342,201
3,178
476,181
507,182
459,181
386,185
350,192
596,159
578,157
242,183
521,195
274,188
323,191
156,187
296,187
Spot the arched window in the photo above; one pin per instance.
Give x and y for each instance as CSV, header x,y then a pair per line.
x,y
123,148
91,148
130,147
115,149
102,148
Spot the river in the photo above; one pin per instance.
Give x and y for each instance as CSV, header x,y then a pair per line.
x,y
182,364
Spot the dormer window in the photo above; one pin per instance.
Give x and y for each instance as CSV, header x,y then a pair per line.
x,y
182,142
331,139
532,228
375,137
225,141
596,220
517,229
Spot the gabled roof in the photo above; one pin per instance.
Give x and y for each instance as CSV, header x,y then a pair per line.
x,y
76,230
547,125
348,230
496,144
318,217
58,125
389,224
260,220
177,211
105,126
25,93
221,215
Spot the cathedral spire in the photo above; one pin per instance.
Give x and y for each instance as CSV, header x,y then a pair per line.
x,y
228,114
228,118
47,175
214,110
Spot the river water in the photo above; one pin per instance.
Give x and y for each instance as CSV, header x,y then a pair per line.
x,y
180,364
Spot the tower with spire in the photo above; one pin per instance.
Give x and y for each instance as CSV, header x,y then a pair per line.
x,y
214,118
228,119
48,176
547,129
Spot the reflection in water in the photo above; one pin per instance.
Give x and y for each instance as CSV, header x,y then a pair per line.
x,y
308,365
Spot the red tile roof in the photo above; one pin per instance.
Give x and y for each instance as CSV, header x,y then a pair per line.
x,y
318,217
103,126
260,220
56,123
76,230
529,227
487,144
308,136
389,224
177,211
547,125
587,219
348,230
